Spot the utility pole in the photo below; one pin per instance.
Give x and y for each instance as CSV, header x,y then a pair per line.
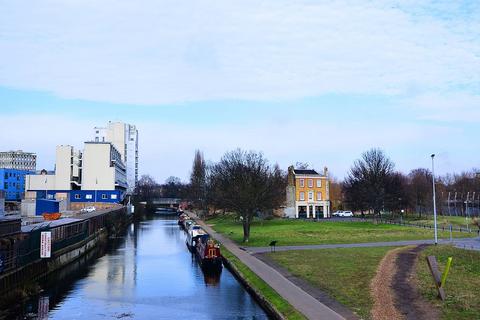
x,y
434,201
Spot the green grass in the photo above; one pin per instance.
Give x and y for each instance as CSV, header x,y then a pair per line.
x,y
345,274
298,232
462,286
261,286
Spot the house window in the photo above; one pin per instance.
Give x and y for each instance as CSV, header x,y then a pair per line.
x,y
319,196
113,196
319,183
104,196
96,139
310,183
88,196
302,183
302,196
77,196
310,195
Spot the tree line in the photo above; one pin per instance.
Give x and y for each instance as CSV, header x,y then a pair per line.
x,y
244,182
373,185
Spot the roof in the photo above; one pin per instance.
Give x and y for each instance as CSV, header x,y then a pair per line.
x,y
51,224
305,171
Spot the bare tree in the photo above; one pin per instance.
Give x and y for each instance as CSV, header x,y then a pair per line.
x,y
246,183
146,188
367,183
173,188
198,181
420,189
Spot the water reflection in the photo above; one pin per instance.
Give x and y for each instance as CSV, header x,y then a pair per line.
x,y
147,274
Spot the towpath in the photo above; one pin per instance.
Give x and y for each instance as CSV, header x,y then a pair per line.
x,y
297,297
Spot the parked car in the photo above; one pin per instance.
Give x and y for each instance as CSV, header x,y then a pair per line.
x,y
88,209
341,213
337,213
347,214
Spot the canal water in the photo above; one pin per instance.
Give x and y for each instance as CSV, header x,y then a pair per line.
x,y
148,274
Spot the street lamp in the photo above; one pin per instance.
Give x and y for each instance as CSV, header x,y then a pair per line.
x,y
434,201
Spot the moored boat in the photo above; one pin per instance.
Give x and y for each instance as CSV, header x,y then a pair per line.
x,y
194,233
208,254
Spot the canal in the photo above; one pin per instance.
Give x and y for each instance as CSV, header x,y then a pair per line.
x,y
146,274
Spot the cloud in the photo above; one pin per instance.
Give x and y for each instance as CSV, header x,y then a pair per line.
x,y
160,52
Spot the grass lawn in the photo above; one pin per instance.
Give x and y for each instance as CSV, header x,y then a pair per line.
x,y
271,295
463,282
345,274
298,232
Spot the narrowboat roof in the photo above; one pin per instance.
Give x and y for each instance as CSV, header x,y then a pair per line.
x,y
51,224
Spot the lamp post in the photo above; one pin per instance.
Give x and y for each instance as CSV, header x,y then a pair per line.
x,y
434,201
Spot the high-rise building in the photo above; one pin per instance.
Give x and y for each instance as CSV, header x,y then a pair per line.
x,y
18,160
124,137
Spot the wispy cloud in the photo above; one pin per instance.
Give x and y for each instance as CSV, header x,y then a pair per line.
x,y
157,52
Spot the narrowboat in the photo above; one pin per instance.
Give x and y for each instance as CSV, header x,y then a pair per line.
x,y
181,220
193,234
208,254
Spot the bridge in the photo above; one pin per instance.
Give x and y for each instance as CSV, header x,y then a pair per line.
x,y
166,202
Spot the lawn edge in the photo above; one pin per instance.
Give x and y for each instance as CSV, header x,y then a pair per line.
x,y
253,284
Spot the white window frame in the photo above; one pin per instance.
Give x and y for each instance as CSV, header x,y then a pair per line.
x,y
104,196
319,196
310,183
310,195
302,183
319,183
301,195
77,196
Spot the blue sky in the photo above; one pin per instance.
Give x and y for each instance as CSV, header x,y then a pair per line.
x,y
299,80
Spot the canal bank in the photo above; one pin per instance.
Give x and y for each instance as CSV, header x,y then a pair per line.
x,y
303,304
148,274
68,240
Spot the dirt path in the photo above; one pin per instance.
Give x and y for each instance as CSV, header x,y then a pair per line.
x,y
394,289
381,288
408,298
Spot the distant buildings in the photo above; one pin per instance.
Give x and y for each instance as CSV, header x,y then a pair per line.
x,y
12,183
124,137
14,165
96,175
307,194
18,160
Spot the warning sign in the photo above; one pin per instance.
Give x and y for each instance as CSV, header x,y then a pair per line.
x,y
45,244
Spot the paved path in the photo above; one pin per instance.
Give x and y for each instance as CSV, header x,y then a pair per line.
x,y
298,298
467,243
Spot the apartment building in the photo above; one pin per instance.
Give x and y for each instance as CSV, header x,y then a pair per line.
x,y
124,137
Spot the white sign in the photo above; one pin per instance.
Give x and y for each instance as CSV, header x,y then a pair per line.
x,y
45,244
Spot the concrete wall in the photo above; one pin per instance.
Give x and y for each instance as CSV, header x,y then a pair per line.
x,y
40,182
28,207
96,170
63,167
116,135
